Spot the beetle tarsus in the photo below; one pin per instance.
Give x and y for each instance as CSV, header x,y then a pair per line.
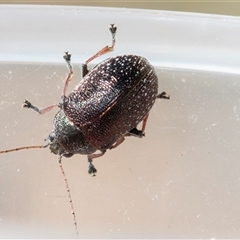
x,y
136,133
67,58
163,95
113,30
27,104
91,169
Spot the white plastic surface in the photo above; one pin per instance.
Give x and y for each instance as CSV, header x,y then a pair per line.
x,y
169,39
181,181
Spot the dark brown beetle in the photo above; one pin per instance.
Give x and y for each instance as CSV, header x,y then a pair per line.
x,y
107,105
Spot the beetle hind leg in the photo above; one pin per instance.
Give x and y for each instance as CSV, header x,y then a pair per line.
x,y
139,133
136,133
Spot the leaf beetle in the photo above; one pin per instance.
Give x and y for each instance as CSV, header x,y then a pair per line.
x,y
105,107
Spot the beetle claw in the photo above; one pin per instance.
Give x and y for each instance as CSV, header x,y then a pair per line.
x,y
113,30
91,169
67,56
163,95
27,104
136,133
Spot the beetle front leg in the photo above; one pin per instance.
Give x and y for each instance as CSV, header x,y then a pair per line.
x,y
27,104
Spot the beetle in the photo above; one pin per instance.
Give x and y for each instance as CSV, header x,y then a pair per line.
x,y
105,107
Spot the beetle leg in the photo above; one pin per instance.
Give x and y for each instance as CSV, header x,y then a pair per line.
x,y
163,95
27,104
91,168
113,30
139,133
136,133
144,123
67,57
118,142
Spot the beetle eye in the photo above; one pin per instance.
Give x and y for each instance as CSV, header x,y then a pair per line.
x,y
52,136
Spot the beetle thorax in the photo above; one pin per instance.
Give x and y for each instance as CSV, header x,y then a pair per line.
x,y
67,139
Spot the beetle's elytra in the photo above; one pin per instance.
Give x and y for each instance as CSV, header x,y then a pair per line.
x,y
107,105
112,99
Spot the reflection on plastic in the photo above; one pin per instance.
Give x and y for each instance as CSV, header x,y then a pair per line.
x,y
173,182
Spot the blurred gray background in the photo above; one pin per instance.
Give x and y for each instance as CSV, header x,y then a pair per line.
x,y
212,7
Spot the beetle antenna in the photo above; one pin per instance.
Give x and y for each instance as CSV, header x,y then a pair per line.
x,y
69,195
63,173
23,148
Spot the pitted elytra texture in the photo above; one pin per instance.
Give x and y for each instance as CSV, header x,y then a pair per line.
x,y
112,99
